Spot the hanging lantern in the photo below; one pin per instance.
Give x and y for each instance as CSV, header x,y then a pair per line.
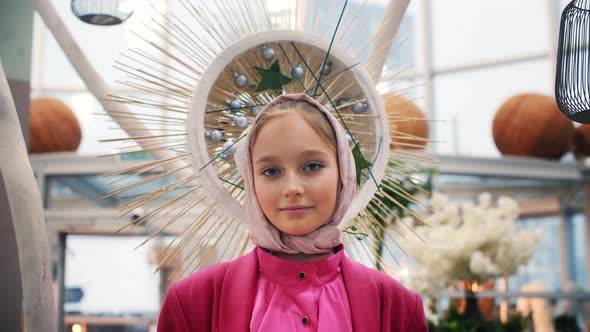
x,y
572,84
102,12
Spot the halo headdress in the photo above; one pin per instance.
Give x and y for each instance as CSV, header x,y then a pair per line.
x,y
218,82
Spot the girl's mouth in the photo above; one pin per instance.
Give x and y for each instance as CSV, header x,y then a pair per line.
x,y
296,210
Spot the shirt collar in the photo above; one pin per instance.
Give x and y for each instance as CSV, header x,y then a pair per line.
x,y
293,273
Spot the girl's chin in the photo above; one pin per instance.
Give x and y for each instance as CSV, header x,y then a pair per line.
x,y
297,231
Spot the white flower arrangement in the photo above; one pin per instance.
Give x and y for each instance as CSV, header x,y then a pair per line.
x,y
471,242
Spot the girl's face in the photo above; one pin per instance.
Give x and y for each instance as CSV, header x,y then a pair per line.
x,y
295,175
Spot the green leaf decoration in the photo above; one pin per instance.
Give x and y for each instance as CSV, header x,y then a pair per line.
x,y
272,79
360,162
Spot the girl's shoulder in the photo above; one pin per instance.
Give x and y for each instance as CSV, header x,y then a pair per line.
x,y
213,275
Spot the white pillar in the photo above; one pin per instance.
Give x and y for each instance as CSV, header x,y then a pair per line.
x,y
387,29
26,211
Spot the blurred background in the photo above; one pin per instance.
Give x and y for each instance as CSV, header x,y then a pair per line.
x,y
460,63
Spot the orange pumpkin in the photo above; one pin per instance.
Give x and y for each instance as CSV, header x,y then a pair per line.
x,y
531,125
582,141
53,127
404,131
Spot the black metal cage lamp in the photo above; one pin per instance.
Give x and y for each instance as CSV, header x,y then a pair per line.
x,y
102,12
572,81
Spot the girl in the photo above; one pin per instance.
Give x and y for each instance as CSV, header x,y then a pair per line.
x,y
299,177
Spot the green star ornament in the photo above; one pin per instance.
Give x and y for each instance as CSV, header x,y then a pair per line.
x,y
272,78
360,162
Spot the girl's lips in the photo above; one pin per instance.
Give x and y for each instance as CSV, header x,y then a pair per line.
x,y
296,211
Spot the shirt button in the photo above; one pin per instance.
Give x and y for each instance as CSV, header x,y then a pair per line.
x,y
305,320
302,275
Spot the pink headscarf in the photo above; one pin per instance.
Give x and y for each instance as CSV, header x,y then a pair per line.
x,y
327,236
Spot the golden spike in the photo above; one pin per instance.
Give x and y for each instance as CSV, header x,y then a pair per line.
x,y
148,129
154,212
143,150
196,251
170,43
347,246
139,118
144,199
150,78
159,106
211,247
134,114
139,62
236,244
390,183
149,164
144,169
173,220
166,92
397,154
214,50
370,246
192,228
164,64
351,21
188,51
245,245
140,138
230,240
169,55
375,213
382,239
144,181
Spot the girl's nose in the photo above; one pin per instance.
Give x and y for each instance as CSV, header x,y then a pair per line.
x,y
293,185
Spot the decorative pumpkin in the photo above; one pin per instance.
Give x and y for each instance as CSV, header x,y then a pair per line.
x,y
53,127
532,125
582,141
405,130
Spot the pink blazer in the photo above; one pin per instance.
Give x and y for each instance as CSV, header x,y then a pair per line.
x,y
221,298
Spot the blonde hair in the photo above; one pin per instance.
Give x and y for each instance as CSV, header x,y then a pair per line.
x,y
309,112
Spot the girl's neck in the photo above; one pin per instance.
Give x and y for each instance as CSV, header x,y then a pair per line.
x,y
301,257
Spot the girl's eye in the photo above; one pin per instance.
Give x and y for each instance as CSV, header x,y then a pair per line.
x,y
312,167
270,172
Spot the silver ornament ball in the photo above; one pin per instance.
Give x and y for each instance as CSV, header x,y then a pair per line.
x,y
230,150
234,105
342,101
241,121
268,53
240,80
298,72
255,110
349,138
215,136
359,107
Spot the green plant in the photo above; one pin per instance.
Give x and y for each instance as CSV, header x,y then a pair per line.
x,y
397,202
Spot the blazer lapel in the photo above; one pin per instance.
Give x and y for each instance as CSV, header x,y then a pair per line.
x,y
363,296
237,294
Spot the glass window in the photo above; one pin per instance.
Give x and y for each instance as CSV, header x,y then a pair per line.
x,y
544,265
83,191
466,31
116,278
466,103
101,45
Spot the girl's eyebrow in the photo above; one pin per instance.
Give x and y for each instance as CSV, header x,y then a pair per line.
x,y
306,153
264,159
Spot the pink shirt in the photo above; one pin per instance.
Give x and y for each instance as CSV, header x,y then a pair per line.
x,y
300,296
